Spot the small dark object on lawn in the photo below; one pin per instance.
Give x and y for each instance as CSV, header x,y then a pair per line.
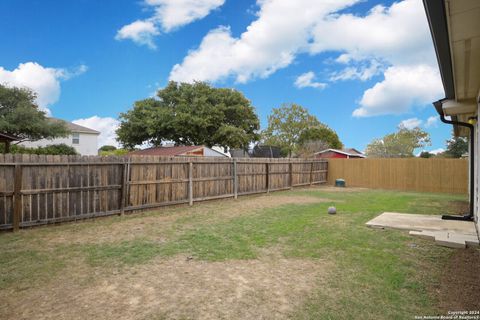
x,y
332,210
340,183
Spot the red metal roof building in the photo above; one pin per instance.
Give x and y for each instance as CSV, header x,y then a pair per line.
x,y
341,154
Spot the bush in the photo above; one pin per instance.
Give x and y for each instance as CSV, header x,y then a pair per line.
x,y
116,152
107,148
426,154
53,149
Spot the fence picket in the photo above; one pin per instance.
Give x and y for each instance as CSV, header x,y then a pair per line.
x,y
37,190
409,174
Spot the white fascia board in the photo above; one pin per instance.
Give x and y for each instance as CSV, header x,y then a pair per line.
x,y
453,108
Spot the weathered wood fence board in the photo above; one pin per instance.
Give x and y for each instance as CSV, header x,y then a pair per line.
x,y
411,174
38,190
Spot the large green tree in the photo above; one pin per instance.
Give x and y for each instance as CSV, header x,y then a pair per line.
x,y
291,125
321,133
400,144
191,114
21,117
309,148
456,147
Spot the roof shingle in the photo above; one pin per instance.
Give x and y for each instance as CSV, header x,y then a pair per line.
x,y
76,127
165,151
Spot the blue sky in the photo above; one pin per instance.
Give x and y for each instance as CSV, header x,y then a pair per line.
x,y
362,67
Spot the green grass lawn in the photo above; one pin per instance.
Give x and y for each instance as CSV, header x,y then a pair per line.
x,y
374,274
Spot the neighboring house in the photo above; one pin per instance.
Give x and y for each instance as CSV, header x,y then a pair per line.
x,y
455,29
179,151
336,153
83,139
222,150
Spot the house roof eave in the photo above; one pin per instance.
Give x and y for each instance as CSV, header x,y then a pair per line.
x,y
341,152
437,20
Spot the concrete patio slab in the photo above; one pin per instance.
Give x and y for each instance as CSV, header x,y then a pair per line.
x,y
449,233
427,235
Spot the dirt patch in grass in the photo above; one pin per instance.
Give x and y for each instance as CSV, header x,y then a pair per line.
x,y
338,189
260,257
157,223
458,289
459,207
176,288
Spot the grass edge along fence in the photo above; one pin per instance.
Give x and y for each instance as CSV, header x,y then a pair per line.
x,y
38,189
438,175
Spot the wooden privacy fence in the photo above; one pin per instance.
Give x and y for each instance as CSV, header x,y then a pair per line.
x,y
36,189
411,174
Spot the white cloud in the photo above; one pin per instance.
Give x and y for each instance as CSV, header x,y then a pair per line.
x,y
395,40
66,74
398,34
410,123
415,122
106,126
402,87
344,58
437,151
45,82
140,32
307,80
388,40
168,15
431,122
270,43
171,14
363,72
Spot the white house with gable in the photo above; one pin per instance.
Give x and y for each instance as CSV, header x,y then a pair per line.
x,y
83,139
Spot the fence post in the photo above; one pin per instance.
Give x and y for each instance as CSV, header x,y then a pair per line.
x,y
190,183
124,188
311,173
326,168
235,179
17,193
267,168
290,173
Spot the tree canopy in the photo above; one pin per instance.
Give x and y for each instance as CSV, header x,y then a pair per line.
x,y
310,147
426,154
191,114
456,147
291,125
107,148
21,117
400,144
321,133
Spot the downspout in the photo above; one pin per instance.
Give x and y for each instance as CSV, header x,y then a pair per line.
x,y
469,216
